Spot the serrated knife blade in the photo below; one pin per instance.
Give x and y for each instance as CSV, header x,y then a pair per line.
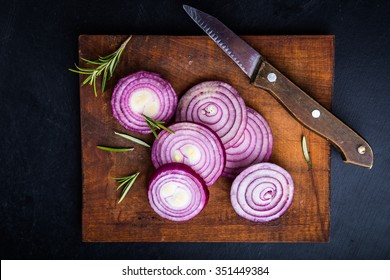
x,y
354,149
243,55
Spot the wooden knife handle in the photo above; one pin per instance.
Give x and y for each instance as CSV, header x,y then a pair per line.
x,y
310,113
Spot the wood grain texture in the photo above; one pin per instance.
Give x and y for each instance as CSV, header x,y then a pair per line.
x,y
186,61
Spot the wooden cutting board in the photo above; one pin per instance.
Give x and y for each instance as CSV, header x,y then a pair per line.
x,y
186,61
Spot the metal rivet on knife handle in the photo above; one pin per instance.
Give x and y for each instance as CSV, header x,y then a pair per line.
x,y
316,113
271,77
361,150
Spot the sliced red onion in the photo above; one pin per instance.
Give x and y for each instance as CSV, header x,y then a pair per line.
x,y
254,146
194,145
143,93
218,106
263,192
177,193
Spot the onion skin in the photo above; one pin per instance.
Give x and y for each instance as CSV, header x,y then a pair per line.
x,y
177,173
254,146
216,105
164,95
169,148
262,193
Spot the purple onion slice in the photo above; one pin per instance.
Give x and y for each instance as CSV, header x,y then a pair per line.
x,y
263,192
177,193
143,93
194,145
254,146
216,105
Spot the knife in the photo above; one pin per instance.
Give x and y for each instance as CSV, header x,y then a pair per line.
x,y
353,148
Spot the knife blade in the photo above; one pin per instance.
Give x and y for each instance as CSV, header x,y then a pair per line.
x,y
353,148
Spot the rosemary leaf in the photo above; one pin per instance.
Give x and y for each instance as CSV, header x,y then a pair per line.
x,y
131,138
112,149
104,79
156,124
122,183
93,80
121,179
127,183
88,79
90,61
114,63
82,72
152,129
111,68
105,65
306,153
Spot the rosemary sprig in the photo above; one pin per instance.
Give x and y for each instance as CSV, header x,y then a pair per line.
x,y
306,153
153,124
125,183
104,64
112,149
131,138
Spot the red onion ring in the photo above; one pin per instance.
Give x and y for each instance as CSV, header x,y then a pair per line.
x,y
254,146
262,192
218,106
177,193
194,145
143,93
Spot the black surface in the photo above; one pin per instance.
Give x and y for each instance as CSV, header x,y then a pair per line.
x,y
40,187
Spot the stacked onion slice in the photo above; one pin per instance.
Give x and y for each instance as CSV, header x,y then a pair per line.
x,y
216,105
262,192
194,145
143,93
177,193
254,146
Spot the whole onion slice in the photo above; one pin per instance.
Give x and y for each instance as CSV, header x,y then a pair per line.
x,y
254,146
143,93
262,192
218,106
177,193
194,145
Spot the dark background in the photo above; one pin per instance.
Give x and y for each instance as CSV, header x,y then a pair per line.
x,y
40,186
